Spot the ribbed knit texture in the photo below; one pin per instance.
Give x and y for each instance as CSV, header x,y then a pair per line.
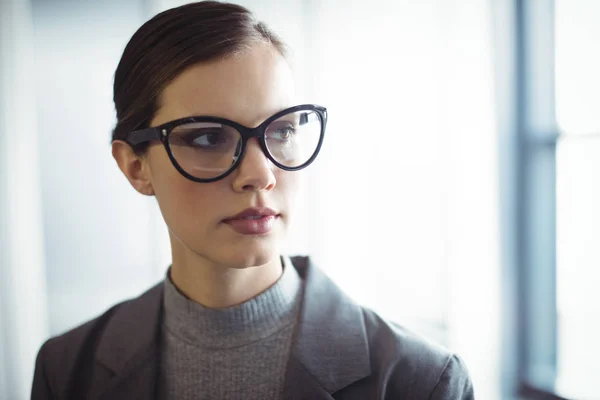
x,y
239,352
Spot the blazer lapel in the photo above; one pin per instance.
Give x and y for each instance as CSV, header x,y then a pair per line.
x,y
129,350
330,349
137,383
301,385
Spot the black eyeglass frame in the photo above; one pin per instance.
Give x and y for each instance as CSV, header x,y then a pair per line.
x,y
163,131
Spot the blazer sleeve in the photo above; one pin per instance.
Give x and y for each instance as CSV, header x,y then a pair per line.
x,y
454,382
40,389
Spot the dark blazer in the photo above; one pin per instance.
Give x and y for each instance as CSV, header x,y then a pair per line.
x,y
340,351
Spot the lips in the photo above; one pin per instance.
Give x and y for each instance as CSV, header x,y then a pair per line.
x,y
253,221
253,213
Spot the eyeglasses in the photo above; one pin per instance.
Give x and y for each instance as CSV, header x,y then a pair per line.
x,y
206,149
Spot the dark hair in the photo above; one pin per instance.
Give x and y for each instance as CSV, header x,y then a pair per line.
x,y
169,43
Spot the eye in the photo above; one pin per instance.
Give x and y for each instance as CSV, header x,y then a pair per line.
x,y
205,138
283,134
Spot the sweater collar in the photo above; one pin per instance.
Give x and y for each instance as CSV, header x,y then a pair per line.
x,y
259,317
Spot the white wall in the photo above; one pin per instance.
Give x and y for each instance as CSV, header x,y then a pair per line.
x,y
23,317
96,226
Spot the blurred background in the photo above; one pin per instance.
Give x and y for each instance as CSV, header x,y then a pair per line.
x,y
463,145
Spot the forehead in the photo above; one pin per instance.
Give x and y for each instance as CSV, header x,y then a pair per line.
x,y
246,88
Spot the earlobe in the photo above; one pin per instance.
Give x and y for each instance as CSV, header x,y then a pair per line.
x,y
133,167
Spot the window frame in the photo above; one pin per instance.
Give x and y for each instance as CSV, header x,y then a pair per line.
x,y
537,135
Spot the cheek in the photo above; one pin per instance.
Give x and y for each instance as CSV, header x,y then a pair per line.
x,y
188,200
184,202
192,211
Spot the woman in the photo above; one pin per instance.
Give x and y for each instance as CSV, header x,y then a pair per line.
x,y
208,124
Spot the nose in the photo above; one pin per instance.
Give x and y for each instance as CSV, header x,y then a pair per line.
x,y
255,172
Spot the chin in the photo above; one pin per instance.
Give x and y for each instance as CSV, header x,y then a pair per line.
x,y
247,255
251,260
232,250
250,250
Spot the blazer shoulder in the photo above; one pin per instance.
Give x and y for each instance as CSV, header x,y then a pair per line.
x,y
58,356
61,355
412,364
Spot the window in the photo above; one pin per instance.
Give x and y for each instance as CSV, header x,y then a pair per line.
x,y
559,193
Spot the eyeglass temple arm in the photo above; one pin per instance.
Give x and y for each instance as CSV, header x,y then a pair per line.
x,y
143,135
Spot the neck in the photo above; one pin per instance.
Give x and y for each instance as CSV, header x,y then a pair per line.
x,y
215,285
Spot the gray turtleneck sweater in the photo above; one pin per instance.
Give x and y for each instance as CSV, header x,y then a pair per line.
x,y
239,352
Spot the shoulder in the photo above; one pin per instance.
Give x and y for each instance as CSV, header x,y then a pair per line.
x,y
373,357
58,356
387,339
61,356
408,363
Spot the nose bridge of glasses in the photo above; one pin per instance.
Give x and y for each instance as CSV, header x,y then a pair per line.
x,y
255,148
249,133
256,132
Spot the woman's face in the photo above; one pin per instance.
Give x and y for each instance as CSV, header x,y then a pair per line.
x,y
246,88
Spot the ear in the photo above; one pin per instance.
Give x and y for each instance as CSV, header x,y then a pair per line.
x,y
134,167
